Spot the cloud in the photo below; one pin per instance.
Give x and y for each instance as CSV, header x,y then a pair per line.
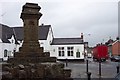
x,y
98,18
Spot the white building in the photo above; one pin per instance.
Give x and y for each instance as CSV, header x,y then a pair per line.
x,y
68,48
11,39
8,42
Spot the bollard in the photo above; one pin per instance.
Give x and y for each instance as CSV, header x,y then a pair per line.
x,y
66,62
117,69
99,67
89,75
87,66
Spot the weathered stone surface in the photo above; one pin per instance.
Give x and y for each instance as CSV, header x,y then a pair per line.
x,y
31,15
67,73
31,62
23,60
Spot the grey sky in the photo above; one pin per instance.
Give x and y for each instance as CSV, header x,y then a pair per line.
x,y
69,18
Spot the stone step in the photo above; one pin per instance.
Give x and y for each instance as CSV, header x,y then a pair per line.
x,y
31,60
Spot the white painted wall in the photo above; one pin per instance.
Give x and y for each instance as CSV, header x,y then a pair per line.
x,y
10,47
46,43
19,45
54,51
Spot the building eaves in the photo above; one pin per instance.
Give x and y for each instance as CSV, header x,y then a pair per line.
x,y
115,42
67,41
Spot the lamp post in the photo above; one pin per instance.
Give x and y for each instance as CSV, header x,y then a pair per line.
x,y
118,67
86,57
87,72
87,65
86,54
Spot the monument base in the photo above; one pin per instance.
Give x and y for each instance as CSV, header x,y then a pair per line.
x,y
40,71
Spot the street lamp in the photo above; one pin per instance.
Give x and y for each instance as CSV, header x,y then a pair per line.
x,y
87,65
86,57
86,54
118,56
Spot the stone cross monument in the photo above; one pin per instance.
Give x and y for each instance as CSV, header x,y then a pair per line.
x,y
31,50
31,62
30,16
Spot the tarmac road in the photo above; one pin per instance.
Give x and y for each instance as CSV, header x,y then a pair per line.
x,y
108,69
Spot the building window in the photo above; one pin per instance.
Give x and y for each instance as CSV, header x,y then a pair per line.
x,y
70,51
5,53
61,51
78,53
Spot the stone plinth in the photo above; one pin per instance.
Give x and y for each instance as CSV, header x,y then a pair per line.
x,y
40,71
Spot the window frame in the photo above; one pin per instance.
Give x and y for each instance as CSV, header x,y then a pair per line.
x,y
70,51
61,51
78,53
5,53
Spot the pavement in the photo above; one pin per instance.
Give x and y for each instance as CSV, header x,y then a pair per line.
x,y
108,69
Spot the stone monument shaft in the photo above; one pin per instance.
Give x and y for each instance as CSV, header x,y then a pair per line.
x,y
31,50
30,16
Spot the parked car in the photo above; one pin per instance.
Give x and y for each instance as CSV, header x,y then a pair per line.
x,y
115,58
